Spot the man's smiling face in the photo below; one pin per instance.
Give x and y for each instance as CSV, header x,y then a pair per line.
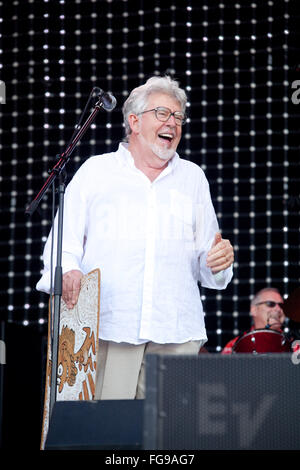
x,y
161,137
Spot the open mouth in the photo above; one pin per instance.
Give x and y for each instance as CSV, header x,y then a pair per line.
x,y
167,137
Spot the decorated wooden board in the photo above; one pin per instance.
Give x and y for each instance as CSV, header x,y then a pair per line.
x,y
77,351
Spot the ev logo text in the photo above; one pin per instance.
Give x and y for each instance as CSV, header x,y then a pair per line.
x,y
296,94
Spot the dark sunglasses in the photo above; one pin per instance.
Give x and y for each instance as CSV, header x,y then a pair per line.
x,y
271,304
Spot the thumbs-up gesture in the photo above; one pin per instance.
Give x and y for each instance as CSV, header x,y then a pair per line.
x,y
221,255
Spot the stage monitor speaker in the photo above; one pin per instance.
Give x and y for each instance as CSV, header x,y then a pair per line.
x,y
96,425
218,402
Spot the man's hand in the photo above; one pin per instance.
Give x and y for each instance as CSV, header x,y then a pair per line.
x,y
221,254
71,287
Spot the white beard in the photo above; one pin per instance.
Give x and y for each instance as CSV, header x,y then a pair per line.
x,y
162,153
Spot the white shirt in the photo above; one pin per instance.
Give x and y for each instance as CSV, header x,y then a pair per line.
x,y
150,241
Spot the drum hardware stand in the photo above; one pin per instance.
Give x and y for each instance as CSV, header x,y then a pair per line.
x,y
59,171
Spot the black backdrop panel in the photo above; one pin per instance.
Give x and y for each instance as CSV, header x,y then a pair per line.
x,y
237,62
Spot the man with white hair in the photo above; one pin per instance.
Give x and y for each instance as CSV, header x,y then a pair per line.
x,y
144,217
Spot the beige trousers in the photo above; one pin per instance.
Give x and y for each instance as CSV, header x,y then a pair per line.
x,y
121,367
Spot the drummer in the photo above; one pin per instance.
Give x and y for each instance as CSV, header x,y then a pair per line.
x,y
266,310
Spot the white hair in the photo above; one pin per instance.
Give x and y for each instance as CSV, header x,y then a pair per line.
x,y
137,100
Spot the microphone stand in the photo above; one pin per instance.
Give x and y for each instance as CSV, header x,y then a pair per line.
x,y
59,171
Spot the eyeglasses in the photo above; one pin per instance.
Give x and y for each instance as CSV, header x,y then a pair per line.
x,y
271,304
163,114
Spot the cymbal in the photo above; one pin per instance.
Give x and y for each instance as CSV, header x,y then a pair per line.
x,y
291,306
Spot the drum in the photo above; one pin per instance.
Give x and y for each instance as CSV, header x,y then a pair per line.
x,y
262,341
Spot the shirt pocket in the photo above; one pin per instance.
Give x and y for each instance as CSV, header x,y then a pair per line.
x,y
182,212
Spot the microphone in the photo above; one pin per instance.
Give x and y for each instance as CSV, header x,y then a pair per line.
x,y
107,100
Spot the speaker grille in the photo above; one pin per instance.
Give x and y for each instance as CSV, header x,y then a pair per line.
x,y
223,402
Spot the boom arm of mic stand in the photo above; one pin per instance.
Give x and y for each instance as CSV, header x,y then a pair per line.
x,y
57,171
63,160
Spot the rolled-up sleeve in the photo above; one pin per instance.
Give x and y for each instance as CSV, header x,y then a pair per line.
x,y
207,227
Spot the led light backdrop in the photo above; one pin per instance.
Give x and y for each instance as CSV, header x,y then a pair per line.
x,y
237,61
